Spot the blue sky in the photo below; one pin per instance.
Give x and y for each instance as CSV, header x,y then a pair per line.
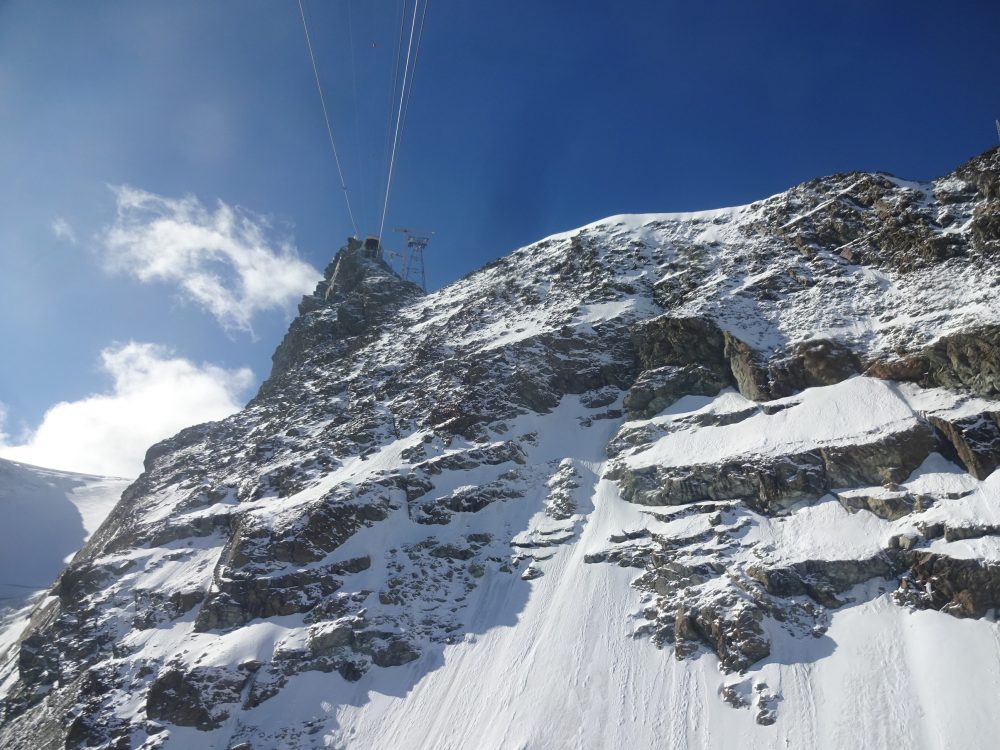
x,y
527,118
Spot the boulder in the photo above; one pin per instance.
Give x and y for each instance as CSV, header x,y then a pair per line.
x,y
750,370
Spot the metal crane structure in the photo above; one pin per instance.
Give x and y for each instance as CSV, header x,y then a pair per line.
x,y
413,255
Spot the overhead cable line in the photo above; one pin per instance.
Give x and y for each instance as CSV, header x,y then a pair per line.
x,y
392,94
357,126
326,118
416,57
399,116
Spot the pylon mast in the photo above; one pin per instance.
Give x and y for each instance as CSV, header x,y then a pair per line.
x,y
413,257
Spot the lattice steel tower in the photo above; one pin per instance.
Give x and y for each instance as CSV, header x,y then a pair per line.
x,y
413,256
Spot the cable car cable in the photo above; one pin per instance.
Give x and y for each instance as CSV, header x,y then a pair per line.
x,y
326,118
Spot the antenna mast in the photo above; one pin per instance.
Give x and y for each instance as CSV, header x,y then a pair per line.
x,y
413,257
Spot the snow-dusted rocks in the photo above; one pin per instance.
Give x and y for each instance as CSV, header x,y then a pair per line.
x,y
760,440
47,516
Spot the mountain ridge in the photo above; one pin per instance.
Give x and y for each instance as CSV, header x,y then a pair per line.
x,y
664,414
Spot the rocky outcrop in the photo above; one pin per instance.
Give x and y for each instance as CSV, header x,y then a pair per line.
x,y
656,389
822,580
357,295
770,484
765,483
670,340
965,361
197,697
976,440
888,459
692,356
731,628
806,364
885,503
238,597
969,360
959,587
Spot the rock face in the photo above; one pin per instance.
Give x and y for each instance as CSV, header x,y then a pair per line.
x,y
720,430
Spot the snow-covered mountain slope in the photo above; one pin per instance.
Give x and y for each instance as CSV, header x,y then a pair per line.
x,y
681,480
47,516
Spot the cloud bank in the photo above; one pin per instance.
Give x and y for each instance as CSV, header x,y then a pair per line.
x,y
222,259
154,394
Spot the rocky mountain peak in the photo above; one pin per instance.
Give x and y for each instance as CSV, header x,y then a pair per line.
x,y
358,293
714,464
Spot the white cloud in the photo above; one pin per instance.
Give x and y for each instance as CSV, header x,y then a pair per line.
x,y
154,395
224,260
63,230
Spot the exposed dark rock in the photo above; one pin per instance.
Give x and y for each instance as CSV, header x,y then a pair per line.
x,y
890,459
969,531
983,173
734,696
668,340
773,483
959,587
238,598
749,368
734,634
467,499
155,607
969,360
194,698
807,364
357,292
561,502
890,505
768,484
813,363
965,361
767,705
658,388
976,440
822,579
387,649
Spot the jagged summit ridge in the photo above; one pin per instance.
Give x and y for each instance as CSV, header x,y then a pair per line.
x,y
642,438
358,294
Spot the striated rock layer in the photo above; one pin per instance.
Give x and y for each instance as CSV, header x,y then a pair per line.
x,y
675,479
